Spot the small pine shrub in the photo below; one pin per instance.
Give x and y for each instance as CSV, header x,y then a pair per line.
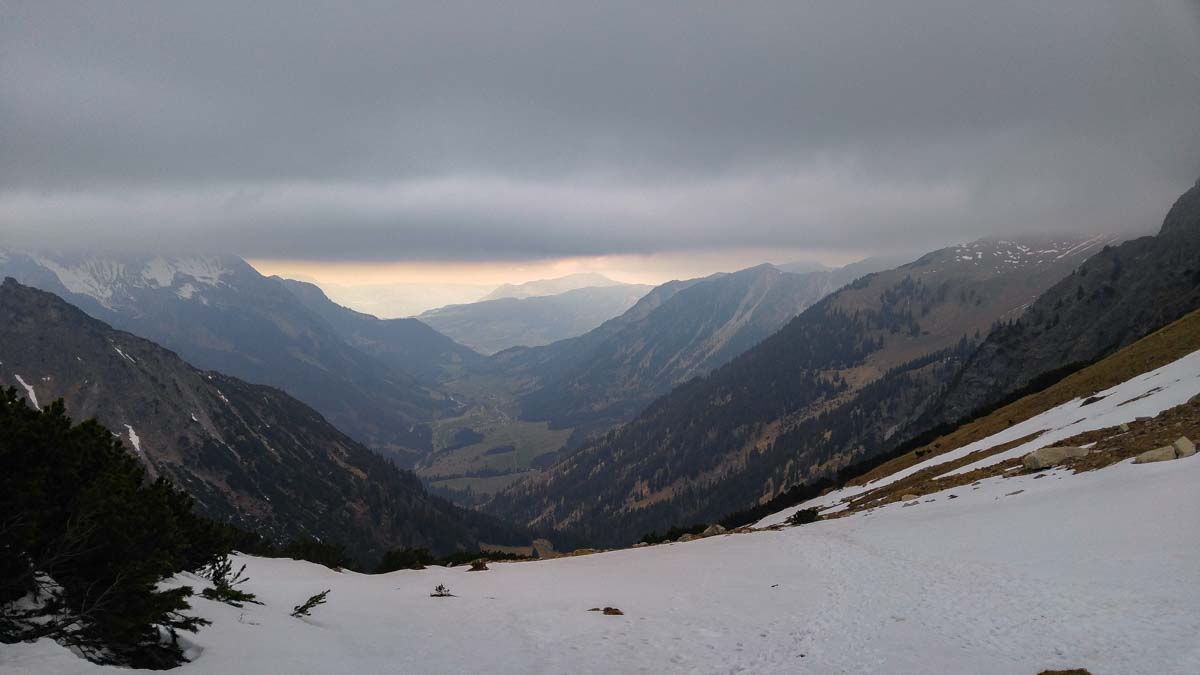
x,y
441,592
224,582
308,605
803,517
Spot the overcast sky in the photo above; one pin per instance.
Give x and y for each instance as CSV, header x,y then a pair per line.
x,y
477,133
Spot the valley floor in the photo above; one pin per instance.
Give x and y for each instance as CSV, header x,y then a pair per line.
x,y
1098,570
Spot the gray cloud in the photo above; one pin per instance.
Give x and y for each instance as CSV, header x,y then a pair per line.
x,y
528,130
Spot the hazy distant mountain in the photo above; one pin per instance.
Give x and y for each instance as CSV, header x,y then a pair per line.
x,y
249,454
396,300
221,314
830,387
494,325
531,289
407,344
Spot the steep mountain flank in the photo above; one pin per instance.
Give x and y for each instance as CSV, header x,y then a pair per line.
x,y
833,386
407,344
249,454
698,329
220,313
494,325
1119,295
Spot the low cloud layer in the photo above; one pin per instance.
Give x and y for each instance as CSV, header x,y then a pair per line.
x,y
534,131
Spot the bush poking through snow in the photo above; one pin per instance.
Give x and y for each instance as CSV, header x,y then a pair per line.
x,y
85,539
803,517
224,581
441,592
309,604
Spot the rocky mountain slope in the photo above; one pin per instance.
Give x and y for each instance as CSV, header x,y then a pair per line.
x,y
831,387
249,454
698,329
1116,297
221,314
494,325
406,344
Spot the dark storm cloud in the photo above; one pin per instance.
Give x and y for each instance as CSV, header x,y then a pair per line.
x,y
514,130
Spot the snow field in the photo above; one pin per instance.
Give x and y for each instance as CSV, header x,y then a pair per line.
x,y
1097,570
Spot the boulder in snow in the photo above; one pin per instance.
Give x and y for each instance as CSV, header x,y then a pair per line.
x,y
909,497
479,565
1044,458
1184,447
715,528
1167,452
687,537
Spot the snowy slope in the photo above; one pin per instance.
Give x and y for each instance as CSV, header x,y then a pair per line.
x,y
1096,570
1143,396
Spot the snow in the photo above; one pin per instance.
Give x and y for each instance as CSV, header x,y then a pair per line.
x,y
986,583
107,280
134,440
124,355
159,272
1143,396
186,291
29,391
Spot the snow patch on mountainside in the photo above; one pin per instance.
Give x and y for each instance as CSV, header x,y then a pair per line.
x,y
134,440
32,395
107,279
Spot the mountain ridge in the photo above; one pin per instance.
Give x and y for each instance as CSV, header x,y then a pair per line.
x,y
249,454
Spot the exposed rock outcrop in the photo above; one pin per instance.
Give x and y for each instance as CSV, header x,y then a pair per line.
x,y
1044,458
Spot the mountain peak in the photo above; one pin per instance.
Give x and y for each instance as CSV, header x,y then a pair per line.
x,y
1184,216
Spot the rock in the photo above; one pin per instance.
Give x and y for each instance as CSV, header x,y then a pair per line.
x,y
479,565
583,551
613,611
1124,428
1184,447
909,497
713,529
1044,458
687,537
640,544
594,609
1162,454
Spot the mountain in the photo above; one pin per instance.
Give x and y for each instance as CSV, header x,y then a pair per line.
x,y
547,401
249,454
696,330
532,289
1119,295
406,344
830,388
495,325
219,313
